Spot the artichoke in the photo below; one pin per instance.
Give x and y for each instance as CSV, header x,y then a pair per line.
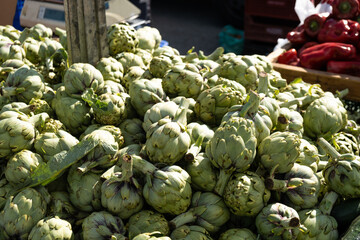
x,y
280,148
180,81
5,189
202,172
52,228
238,234
200,135
132,74
213,103
309,155
111,69
24,84
320,225
61,206
122,37
159,111
342,171
149,38
233,148
121,194
103,225
21,165
84,189
82,76
160,64
145,93
168,189
207,210
324,117
192,232
301,186
129,60
112,87
147,221
22,212
132,131
38,32
10,32
245,194
345,143
190,103
278,221
291,121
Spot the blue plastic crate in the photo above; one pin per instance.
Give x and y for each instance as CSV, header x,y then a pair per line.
x,y
16,21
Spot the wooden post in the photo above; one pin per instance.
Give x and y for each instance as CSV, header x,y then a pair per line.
x,y
86,30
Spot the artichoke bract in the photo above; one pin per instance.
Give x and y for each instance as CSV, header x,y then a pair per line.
x,y
145,93
111,69
238,234
84,189
278,221
318,222
213,103
122,193
147,221
200,135
52,228
280,148
21,165
207,210
103,225
202,172
192,232
309,155
81,76
233,148
122,37
300,185
167,140
132,131
22,212
174,195
159,111
324,117
345,143
342,171
24,84
245,194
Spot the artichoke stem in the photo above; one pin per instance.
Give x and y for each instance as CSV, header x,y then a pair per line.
x,y
341,94
328,148
263,86
223,178
276,184
127,165
328,202
250,104
182,219
212,56
142,165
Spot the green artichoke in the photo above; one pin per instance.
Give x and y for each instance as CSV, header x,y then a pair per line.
x,y
207,210
61,206
159,111
213,103
21,165
129,60
233,148
345,143
52,228
291,121
132,131
200,135
133,73
21,213
84,189
192,232
309,155
24,84
145,55
112,87
202,172
5,188
145,93
342,171
111,69
38,32
245,194
167,189
122,194
300,185
32,47
147,221
162,63
238,234
122,37
324,117
10,66
320,225
280,148
278,221
214,81
10,32
103,225
149,38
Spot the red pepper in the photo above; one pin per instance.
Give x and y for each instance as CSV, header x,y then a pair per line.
x,y
289,57
345,9
345,31
314,23
297,36
305,46
316,57
344,67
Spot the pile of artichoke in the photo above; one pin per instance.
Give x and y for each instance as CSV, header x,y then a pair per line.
x,y
152,144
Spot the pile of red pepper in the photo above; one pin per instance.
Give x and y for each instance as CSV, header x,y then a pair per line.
x,y
327,41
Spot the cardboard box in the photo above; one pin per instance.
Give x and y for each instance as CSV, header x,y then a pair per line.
x,y
7,12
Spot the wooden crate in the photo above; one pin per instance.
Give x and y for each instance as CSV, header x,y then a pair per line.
x,y
283,9
329,81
